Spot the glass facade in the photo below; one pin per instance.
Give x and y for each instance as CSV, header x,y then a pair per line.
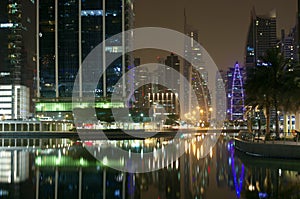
x,y
69,106
68,51
261,36
60,34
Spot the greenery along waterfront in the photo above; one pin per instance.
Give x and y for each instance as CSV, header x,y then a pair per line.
x,y
274,85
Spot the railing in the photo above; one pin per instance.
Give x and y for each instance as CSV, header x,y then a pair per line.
x,y
33,126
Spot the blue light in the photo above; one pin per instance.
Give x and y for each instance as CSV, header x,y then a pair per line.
x,y
250,49
237,95
238,183
117,192
262,195
91,12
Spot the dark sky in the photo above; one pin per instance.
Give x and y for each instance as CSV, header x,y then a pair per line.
x,y
222,24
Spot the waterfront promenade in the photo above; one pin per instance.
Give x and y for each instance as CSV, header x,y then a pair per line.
x,y
111,133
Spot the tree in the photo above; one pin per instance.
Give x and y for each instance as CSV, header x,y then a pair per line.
x,y
277,67
273,84
290,90
257,90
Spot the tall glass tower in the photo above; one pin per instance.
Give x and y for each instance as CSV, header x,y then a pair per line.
x,y
68,31
261,37
16,55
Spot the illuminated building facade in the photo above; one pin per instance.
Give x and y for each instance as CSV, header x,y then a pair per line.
x,y
67,32
221,100
16,18
16,49
289,45
235,93
261,37
14,102
197,76
162,95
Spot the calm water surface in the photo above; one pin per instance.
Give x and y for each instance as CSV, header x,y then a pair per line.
x,y
64,168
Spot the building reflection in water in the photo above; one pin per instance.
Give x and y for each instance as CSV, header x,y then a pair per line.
x,y
64,168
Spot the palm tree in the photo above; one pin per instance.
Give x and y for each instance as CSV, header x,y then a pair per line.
x,y
275,84
290,90
277,66
257,90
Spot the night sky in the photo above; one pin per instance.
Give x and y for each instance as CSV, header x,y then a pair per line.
x,y
222,25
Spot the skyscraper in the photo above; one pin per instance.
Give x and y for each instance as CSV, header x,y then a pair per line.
x,y
235,93
221,101
67,32
16,55
261,37
289,45
195,74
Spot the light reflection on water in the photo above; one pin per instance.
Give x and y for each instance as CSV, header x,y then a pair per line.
x,y
64,168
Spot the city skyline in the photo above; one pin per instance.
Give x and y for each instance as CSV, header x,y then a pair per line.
x,y
232,18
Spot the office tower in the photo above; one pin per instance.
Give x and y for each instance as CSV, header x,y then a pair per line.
x,y
163,92
15,102
170,91
194,72
221,101
261,37
139,87
235,93
172,61
289,45
67,32
14,29
16,54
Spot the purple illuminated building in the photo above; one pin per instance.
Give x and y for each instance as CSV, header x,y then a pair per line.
x,y
235,93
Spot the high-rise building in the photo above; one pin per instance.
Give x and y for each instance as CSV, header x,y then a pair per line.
x,y
163,92
235,93
221,100
194,72
68,31
261,37
289,45
15,102
172,61
16,50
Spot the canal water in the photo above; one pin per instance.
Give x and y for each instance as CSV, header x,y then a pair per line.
x,y
67,168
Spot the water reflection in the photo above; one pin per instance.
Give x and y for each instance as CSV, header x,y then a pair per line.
x,y
64,168
270,178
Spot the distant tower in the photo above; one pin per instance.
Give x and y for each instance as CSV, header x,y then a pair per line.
x,y
195,73
173,62
236,94
221,102
261,37
289,45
